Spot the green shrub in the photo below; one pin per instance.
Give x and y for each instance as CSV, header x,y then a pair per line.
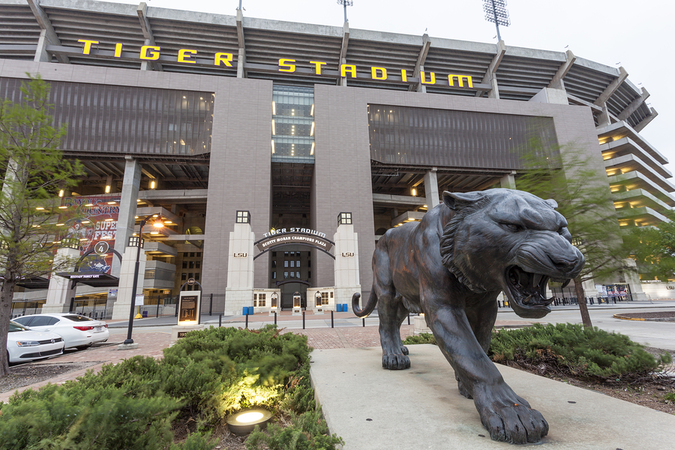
x,y
56,417
585,352
422,338
203,377
305,432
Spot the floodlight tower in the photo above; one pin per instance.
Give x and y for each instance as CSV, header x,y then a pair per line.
x,y
495,12
346,3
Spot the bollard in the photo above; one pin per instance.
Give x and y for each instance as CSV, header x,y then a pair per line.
x,y
332,323
220,320
364,322
303,320
408,318
247,319
275,317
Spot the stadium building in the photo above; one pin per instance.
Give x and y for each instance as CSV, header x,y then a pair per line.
x,y
278,152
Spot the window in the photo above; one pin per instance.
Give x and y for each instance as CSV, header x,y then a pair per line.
x,y
285,263
274,254
309,274
292,263
185,265
198,264
297,264
197,277
183,276
274,275
192,254
292,274
191,265
324,298
274,263
297,274
285,275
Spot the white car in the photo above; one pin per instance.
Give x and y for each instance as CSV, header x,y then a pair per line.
x,y
78,331
26,345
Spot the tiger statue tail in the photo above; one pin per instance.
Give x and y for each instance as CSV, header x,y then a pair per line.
x,y
368,308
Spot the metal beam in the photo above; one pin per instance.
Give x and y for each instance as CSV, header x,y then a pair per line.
x,y
342,81
613,86
557,81
147,34
47,35
490,75
634,105
241,59
421,59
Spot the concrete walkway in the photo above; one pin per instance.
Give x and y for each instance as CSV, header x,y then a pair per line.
x,y
421,408
418,408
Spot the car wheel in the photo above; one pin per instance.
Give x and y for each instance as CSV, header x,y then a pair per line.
x,y
83,347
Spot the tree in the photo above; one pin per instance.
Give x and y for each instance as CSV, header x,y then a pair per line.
x,y
33,171
653,249
578,183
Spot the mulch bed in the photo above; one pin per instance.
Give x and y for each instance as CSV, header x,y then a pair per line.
x,y
26,374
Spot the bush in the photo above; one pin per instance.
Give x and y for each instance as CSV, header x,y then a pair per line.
x,y
422,338
306,432
202,377
583,352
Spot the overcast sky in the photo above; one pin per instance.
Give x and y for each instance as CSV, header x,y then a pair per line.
x,y
616,33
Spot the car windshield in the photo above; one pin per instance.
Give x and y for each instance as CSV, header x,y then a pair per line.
x,y
75,318
13,326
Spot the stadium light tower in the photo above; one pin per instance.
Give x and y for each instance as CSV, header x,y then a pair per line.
x,y
495,12
346,3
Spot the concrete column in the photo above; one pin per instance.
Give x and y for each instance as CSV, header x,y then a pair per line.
x,y
431,189
126,284
550,95
508,181
128,200
41,54
604,118
60,291
630,274
346,264
421,87
239,291
147,65
494,92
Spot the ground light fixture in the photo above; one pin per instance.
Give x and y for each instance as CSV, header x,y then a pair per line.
x,y
243,422
139,242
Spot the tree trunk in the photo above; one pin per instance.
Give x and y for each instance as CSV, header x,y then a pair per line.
x,y
5,315
579,289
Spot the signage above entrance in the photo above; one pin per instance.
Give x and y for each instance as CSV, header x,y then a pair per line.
x,y
288,236
284,65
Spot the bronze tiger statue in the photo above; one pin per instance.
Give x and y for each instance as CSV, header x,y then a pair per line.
x,y
451,266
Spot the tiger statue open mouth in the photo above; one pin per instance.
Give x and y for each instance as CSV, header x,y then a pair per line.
x,y
451,266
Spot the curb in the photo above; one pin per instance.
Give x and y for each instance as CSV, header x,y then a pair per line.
x,y
644,319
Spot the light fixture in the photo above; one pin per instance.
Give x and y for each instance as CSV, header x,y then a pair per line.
x,y
274,128
272,146
243,422
311,112
274,108
311,152
107,189
153,184
311,133
139,242
63,207
61,193
40,208
413,192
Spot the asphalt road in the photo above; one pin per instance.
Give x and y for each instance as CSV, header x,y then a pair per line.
x,y
651,333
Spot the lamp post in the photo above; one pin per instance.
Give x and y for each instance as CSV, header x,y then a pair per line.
x,y
158,224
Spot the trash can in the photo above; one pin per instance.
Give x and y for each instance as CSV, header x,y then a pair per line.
x,y
345,307
244,311
145,314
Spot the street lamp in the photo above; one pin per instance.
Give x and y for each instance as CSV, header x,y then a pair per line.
x,y
139,241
